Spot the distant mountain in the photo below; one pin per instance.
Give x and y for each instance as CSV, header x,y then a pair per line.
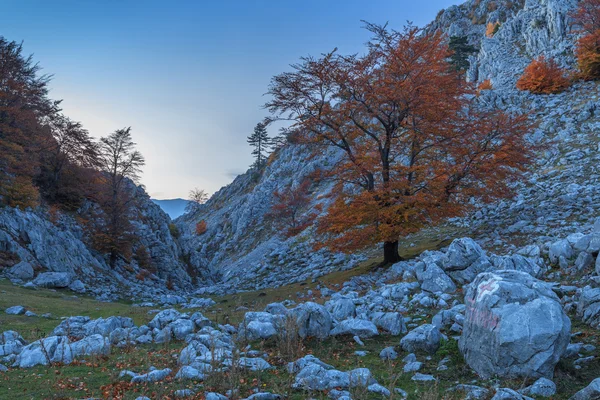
x,y
173,207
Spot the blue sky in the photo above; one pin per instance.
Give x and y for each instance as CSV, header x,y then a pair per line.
x,y
187,76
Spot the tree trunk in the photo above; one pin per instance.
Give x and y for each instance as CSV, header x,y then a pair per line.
x,y
390,253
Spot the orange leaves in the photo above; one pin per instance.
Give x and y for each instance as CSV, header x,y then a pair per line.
x,y
415,149
587,17
201,228
485,85
290,212
491,29
588,56
543,77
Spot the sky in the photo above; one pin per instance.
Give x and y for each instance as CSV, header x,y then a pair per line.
x,y
189,77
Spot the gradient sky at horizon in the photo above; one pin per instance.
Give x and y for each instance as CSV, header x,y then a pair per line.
x,y
187,76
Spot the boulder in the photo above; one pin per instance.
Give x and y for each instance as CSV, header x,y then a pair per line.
x,y
433,279
15,310
180,328
391,322
514,326
276,309
425,338
341,309
259,325
541,388
152,376
509,394
53,280
588,307
313,320
22,270
92,345
164,318
461,254
39,352
560,248
354,326
590,392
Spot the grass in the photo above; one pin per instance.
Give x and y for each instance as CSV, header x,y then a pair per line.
x,y
60,303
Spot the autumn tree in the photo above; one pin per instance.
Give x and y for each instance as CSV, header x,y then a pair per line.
x,y
543,77
587,18
290,211
460,51
121,164
68,156
24,111
261,144
416,150
198,196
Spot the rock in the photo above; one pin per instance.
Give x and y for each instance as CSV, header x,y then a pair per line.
x,y
91,345
214,396
509,394
53,280
360,377
433,279
181,328
276,309
39,352
77,286
188,372
588,307
412,366
561,248
377,388
152,376
264,396
15,310
259,325
341,309
584,261
590,392
184,393
313,320
423,338
354,326
388,354
419,377
461,254
542,388
391,322
164,318
22,270
301,363
473,392
254,364
514,326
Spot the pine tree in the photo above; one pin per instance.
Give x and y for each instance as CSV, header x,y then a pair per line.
x,y
262,144
461,50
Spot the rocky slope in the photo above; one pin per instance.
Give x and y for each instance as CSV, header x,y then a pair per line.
x,y
560,196
52,247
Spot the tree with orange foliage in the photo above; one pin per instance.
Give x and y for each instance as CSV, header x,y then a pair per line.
x,y
289,211
587,18
543,77
492,28
201,228
415,153
485,85
24,109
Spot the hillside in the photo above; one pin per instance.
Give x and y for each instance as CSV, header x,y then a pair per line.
x,y
502,302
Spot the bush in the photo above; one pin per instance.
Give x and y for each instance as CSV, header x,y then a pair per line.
x,y
492,28
588,56
174,230
201,227
485,85
543,77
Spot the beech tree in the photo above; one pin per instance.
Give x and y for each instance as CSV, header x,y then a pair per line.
x,y
24,111
416,150
289,211
65,157
587,17
543,77
121,164
261,143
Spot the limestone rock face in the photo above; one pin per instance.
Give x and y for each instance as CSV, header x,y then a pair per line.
x,y
514,326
